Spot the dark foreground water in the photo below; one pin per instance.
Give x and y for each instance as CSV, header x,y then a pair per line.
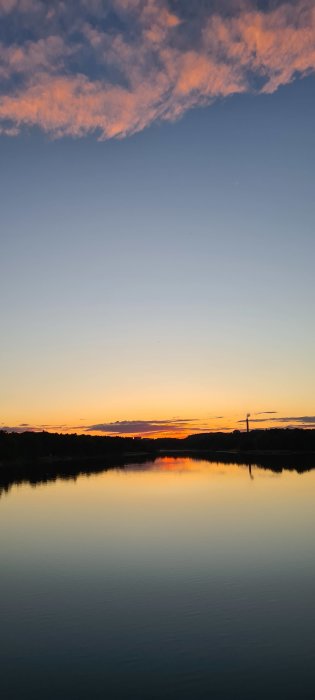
x,y
173,579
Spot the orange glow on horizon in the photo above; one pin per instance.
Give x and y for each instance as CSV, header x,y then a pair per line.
x,y
170,428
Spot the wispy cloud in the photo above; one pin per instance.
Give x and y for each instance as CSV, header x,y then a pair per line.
x,y
296,419
114,68
34,428
265,413
290,421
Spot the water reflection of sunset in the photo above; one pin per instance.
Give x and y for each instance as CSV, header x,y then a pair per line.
x,y
171,561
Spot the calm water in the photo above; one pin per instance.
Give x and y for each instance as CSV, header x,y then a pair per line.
x,y
173,579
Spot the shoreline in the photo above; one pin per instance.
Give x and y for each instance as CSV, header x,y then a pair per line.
x,y
36,472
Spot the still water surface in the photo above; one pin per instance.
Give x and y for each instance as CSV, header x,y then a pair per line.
x,y
172,579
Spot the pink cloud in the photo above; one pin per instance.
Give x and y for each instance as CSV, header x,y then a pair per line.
x,y
274,45
157,71
47,54
7,6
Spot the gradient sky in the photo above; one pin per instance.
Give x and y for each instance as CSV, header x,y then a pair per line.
x,y
157,215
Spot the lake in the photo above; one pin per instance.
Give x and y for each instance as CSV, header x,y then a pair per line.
x,y
176,578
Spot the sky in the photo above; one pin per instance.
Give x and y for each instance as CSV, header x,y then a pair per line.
x,y
157,215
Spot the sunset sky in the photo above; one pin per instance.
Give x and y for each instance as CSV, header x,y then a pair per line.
x,y
157,215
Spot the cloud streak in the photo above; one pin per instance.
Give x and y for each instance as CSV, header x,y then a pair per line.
x,y
34,428
290,421
115,68
143,427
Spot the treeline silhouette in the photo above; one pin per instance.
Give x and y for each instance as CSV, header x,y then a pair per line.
x,y
45,446
272,439
49,447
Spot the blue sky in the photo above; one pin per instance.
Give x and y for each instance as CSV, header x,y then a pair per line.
x,y
165,275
